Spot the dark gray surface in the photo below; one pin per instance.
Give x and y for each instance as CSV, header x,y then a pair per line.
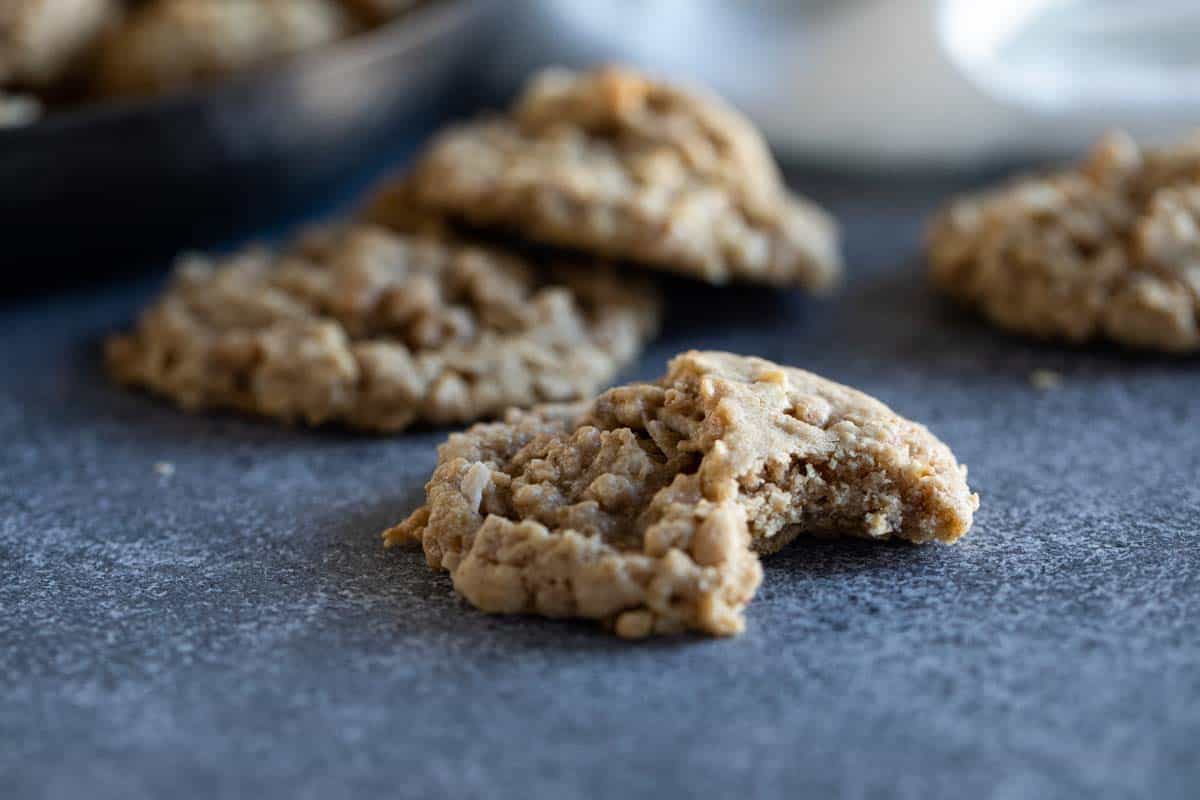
x,y
235,628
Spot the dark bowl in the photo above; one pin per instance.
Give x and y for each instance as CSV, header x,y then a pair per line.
x,y
132,182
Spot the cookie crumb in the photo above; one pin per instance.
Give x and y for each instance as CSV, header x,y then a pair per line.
x,y
1045,379
635,624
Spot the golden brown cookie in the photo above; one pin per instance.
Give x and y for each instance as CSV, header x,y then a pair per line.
x,y
644,508
375,330
168,44
42,41
1109,249
394,205
614,164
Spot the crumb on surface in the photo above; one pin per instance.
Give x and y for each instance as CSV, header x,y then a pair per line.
x,y
1045,379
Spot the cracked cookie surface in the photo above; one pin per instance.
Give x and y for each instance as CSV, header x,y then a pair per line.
x,y
614,164
1109,249
646,507
375,330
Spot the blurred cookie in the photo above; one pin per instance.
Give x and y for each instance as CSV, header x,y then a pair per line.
x,y
644,508
366,328
1109,249
393,205
168,44
43,41
614,164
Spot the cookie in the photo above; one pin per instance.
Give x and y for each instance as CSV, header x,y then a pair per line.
x,y
1109,249
375,330
614,164
646,507
42,41
394,205
169,44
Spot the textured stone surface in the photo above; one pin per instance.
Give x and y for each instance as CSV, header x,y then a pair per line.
x,y
234,627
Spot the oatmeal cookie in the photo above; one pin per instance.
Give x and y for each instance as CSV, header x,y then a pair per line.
x,y
1109,249
612,163
367,328
41,41
173,43
645,508
394,205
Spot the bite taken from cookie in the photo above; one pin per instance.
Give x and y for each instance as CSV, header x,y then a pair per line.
x,y
647,507
615,164
1106,250
376,329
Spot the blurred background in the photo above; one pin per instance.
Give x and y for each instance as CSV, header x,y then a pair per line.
x,y
131,129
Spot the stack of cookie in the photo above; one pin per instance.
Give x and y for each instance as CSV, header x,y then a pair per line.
x,y
508,275
487,277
